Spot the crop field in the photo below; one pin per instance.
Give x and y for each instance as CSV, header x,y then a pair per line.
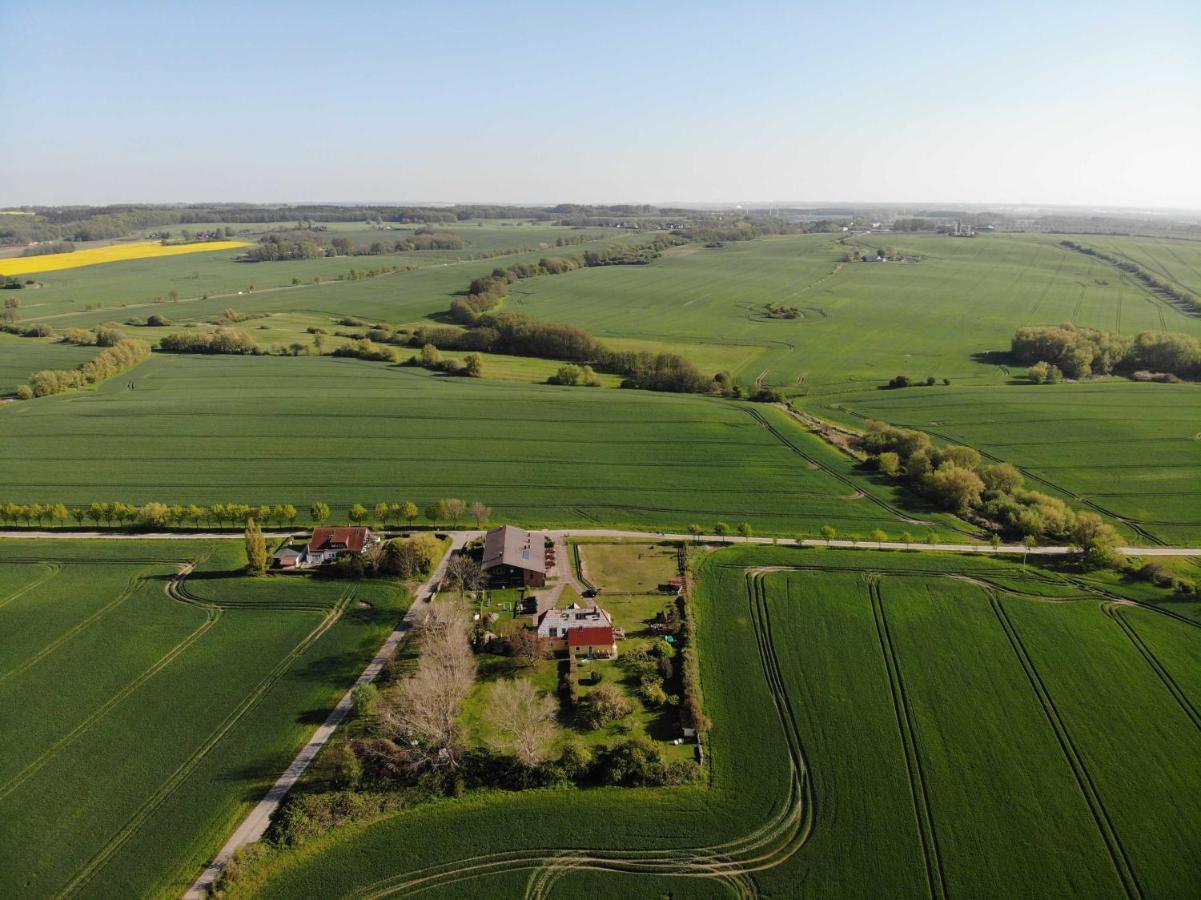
x,y
963,734
21,357
1177,261
78,298
1131,451
300,429
859,322
153,709
109,254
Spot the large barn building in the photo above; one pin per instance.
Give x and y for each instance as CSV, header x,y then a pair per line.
x,y
513,558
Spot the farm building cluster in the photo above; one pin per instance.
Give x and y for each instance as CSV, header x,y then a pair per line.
x,y
326,545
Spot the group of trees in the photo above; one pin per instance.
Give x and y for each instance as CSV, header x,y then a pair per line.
x,y
959,480
904,381
113,360
431,358
1074,352
276,246
418,723
222,340
100,336
1172,292
571,374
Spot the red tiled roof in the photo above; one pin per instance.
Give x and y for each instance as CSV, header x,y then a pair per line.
x,y
352,539
598,636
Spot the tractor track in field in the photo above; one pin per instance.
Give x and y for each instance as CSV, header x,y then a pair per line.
x,y
1114,611
52,569
130,587
732,863
919,792
211,613
1084,779
177,591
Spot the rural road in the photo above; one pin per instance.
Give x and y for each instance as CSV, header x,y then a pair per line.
x,y
561,534
255,824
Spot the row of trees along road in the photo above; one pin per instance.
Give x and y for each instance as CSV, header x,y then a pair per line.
x,y
162,515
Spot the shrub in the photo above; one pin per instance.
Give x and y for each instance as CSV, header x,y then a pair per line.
x,y
604,706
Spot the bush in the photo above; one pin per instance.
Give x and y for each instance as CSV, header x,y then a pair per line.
x,y
604,706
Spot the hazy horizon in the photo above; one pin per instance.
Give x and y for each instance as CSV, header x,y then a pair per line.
x,y
1071,105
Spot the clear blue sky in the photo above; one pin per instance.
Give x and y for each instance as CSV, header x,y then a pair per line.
x,y
1056,101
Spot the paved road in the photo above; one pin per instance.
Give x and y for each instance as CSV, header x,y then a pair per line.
x,y
255,824
563,533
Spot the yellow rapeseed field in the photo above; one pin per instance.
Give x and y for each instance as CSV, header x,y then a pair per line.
x,y
23,265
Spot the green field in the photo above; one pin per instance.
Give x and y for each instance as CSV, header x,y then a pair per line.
x,y
145,714
21,357
963,738
300,429
861,322
1130,451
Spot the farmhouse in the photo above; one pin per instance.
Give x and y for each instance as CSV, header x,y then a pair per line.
x,y
512,558
327,544
583,631
594,642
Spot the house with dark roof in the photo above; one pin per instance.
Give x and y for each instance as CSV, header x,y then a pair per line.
x,y
327,544
514,558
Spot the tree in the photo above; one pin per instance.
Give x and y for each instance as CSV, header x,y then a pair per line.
x,y
358,513
79,513
1095,537
256,548
383,512
721,529
318,512
828,533
995,541
695,530
906,538
889,463
409,512
463,573
154,515
744,529
955,487
436,512
473,365
480,513
604,705
288,513
1001,477
455,509
522,720
879,536
527,647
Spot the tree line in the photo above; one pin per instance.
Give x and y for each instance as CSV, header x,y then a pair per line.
x,y
992,494
1172,292
161,515
120,357
1074,352
273,247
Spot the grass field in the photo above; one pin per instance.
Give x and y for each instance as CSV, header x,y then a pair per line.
x,y
21,357
1131,451
53,262
145,714
963,738
300,429
861,322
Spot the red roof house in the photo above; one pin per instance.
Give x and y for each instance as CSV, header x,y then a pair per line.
x,y
328,543
593,641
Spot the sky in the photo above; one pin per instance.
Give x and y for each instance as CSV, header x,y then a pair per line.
x,y
1054,102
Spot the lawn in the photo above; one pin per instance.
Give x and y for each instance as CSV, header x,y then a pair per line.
x,y
965,739
628,568
250,429
146,715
